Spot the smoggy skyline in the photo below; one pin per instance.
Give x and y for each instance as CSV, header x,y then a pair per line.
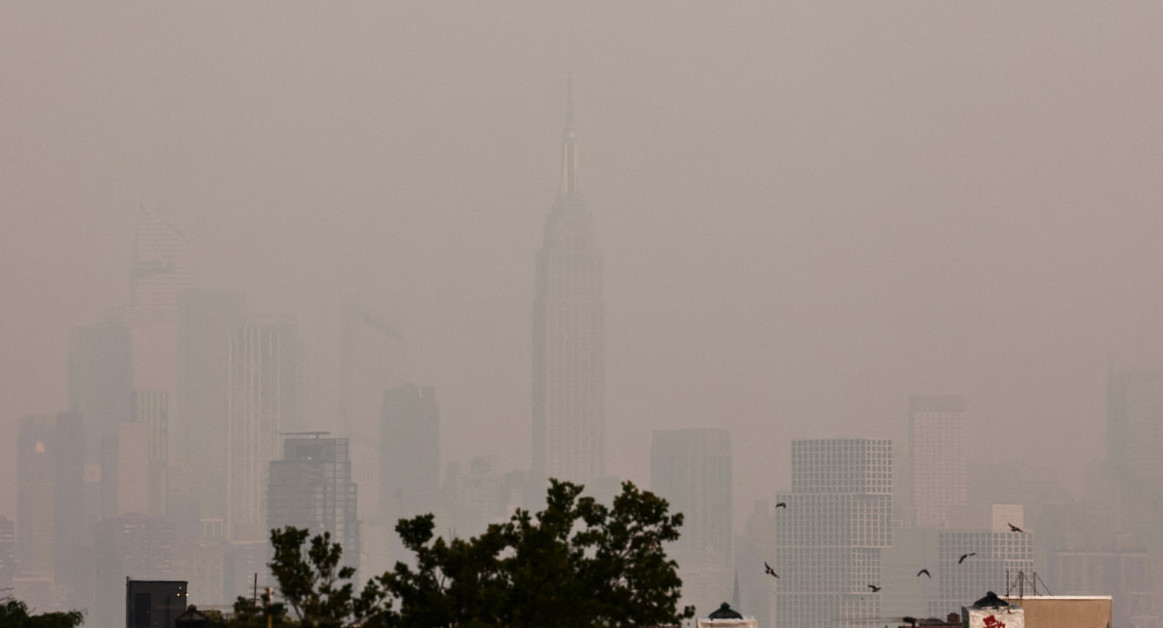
x,y
806,213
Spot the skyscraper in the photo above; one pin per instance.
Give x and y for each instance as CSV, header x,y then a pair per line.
x,y
261,381
569,400
311,488
54,538
208,321
937,458
409,455
830,537
161,263
7,552
691,469
1135,424
100,388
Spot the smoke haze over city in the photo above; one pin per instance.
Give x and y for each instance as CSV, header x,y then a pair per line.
x,y
806,213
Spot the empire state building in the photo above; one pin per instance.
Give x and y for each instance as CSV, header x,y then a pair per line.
x,y
569,388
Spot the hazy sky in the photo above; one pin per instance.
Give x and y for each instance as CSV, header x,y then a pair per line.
x,y
807,211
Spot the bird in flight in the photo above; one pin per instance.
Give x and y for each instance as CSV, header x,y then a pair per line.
x,y
768,570
781,505
874,588
926,572
1014,528
964,556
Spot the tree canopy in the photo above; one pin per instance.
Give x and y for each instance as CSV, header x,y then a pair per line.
x,y
577,563
14,614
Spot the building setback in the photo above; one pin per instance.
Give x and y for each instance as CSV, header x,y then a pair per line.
x,y
830,537
569,400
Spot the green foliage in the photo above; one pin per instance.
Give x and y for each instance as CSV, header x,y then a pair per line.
x,y
248,614
14,614
577,563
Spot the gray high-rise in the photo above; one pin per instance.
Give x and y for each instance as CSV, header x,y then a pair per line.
x,y
937,458
409,453
691,469
208,321
829,538
311,488
260,401
569,400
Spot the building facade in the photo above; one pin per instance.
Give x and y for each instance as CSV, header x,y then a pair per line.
x,y
261,380
311,489
830,537
569,400
937,459
208,321
692,470
409,452
998,556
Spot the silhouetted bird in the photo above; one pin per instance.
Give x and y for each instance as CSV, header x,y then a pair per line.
x,y
964,556
1014,528
874,588
926,572
767,569
781,505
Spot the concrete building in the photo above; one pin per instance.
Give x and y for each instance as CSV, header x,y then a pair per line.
x,y
100,389
132,546
154,604
569,370
998,555
692,469
261,380
1121,571
53,542
755,547
830,538
7,552
311,489
1065,611
208,321
409,453
937,459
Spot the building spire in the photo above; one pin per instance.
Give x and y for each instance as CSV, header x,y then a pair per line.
x,y
569,178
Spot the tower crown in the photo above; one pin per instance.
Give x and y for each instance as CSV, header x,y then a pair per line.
x,y
569,166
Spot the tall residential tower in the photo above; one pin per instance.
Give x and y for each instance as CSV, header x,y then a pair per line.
x,y
829,540
569,401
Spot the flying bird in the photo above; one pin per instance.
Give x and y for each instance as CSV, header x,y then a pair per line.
x,y
1014,528
781,505
874,588
768,570
964,556
926,572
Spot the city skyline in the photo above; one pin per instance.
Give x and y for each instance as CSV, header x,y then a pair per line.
x,y
929,226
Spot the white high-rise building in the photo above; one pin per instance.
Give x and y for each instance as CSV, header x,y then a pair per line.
x,y
261,382
691,469
937,459
569,400
830,537
997,554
